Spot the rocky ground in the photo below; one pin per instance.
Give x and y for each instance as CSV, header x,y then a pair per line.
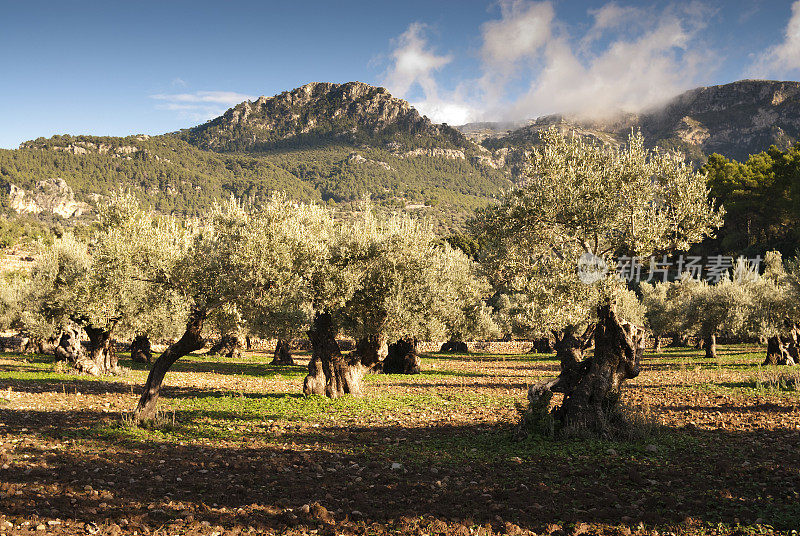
x,y
715,450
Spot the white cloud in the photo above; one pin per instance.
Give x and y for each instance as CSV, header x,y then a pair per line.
x,y
512,43
521,31
785,56
414,63
200,105
451,113
412,70
629,74
531,63
612,16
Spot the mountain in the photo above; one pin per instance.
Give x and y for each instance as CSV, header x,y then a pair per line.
x,y
322,142
337,143
735,120
317,113
477,132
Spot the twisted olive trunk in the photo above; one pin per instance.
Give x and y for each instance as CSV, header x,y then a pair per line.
x,y
69,346
781,352
372,350
329,372
192,340
569,351
229,346
591,396
656,343
403,357
592,386
141,351
283,354
101,357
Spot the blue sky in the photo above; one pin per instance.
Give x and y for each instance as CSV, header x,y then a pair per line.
x,y
118,68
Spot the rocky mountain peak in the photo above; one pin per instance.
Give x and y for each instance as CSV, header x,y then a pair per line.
x,y
352,110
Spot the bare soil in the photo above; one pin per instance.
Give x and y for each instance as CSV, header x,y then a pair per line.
x,y
715,449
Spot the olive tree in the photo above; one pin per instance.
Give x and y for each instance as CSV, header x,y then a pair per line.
x,y
723,307
101,285
776,309
584,199
262,260
668,305
13,290
396,280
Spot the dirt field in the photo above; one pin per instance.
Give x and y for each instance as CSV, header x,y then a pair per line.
x,y
238,450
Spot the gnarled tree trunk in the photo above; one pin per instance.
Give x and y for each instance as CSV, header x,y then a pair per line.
x,y
229,346
455,346
18,344
569,351
402,358
679,341
283,354
45,346
592,386
100,357
329,372
779,352
190,341
542,345
710,346
793,346
141,352
591,398
69,346
372,350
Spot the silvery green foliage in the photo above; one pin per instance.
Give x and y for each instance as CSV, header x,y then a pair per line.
x,y
742,303
668,305
107,282
60,286
660,318
721,308
271,263
737,305
278,264
132,249
408,282
775,296
579,198
14,287
630,307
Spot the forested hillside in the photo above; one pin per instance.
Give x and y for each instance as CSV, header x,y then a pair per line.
x,y
338,143
175,176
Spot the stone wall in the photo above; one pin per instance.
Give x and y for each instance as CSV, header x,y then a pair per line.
x,y
488,347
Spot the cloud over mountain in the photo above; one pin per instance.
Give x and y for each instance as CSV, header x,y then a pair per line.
x,y
531,63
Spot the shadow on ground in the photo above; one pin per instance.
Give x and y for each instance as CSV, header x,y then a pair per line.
x,y
468,474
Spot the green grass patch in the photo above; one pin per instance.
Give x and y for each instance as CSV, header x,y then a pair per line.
x,y
244,415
